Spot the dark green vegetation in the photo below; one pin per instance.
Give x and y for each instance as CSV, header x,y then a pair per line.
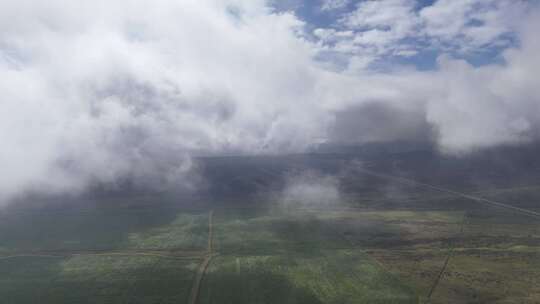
x,y
386,241
103,229
95,279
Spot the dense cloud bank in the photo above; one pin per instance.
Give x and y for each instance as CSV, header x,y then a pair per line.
x,y
101,91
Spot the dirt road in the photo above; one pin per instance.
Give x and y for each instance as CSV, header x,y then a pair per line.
x,y
204,265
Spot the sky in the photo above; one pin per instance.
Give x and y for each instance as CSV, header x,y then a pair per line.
x,y
382,34
104,91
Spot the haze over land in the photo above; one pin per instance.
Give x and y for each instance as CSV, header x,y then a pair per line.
x,y
108,91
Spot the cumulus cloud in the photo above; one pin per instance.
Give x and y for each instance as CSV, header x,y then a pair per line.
x,y
490,105
465,107
101,91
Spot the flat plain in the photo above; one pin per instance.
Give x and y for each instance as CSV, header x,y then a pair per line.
x,y
385,241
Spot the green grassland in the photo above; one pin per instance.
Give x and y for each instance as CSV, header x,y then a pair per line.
x,y
390,250
95,279
418,267
103,229
273,232
494,257
479,276
472,276
279,231
336,276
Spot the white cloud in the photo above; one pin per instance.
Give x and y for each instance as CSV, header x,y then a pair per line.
x,y
397,15
382,27
329,5
491,105
470,24
310,189
382,24
102,91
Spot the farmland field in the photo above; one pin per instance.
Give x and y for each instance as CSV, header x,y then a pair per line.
x,y
384,240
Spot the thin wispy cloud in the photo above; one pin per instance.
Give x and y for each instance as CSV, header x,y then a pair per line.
x,y
403,28
330,5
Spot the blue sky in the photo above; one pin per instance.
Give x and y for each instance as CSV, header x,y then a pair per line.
x,y
387,34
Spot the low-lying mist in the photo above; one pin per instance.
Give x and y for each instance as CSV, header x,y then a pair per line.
x,y
310,189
